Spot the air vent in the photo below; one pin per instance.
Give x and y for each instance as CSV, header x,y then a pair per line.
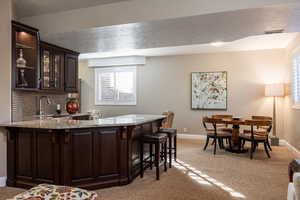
x,y
274,31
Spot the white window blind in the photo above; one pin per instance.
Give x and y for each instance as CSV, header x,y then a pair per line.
x,y
115,86
296,81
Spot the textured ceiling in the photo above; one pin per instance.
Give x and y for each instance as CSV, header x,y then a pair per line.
x,y
261,42
202,29
27,8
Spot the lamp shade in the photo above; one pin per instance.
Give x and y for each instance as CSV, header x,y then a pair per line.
x,y
274,90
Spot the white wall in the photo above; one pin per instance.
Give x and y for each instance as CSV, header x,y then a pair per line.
x,y
164,83
5,76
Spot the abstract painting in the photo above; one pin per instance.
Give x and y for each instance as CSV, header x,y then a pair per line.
x,y
209,90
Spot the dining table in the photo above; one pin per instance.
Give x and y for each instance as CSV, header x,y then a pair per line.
x,y
236,123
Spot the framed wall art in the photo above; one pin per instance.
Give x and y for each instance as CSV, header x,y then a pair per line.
x,y
209,90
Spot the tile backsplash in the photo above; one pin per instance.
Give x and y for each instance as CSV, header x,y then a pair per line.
x,y
25,104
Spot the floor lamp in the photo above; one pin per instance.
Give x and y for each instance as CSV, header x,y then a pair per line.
x,y
274,90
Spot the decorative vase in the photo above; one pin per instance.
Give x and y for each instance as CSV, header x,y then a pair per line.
x,y
72,106
21,62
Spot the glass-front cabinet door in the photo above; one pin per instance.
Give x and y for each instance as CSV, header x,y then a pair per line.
x,y
52,68
46,69
58,71
25,57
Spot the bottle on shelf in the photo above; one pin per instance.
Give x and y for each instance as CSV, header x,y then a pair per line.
x,y
21,62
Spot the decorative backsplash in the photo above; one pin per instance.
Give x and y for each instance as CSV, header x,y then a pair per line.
x,y
25,104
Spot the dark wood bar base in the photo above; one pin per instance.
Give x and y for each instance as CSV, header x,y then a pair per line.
x,y
89,158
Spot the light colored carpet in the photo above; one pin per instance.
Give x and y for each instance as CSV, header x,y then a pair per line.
x,y
201,175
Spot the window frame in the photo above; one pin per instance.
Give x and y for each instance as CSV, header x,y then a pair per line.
x,y
296,81
115,102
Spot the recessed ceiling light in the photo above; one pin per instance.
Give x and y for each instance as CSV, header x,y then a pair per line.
x,y
217,44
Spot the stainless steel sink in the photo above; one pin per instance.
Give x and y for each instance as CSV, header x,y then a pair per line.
x,y
75,117
50,116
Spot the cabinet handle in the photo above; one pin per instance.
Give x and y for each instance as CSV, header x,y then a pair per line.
x,y
11,136
124,133
67,136
40,83
53,138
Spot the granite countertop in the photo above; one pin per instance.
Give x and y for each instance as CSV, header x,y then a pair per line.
x,y
67,123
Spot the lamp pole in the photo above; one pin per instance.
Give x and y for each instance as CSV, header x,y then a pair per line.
x,y
274,116
274,139
274,90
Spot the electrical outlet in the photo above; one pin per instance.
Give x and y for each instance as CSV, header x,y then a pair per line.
x,y
185,130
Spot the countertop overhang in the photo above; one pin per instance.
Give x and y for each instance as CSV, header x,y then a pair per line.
x,y
66,123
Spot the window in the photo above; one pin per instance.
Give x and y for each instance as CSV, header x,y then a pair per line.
x,y
296,81
115,86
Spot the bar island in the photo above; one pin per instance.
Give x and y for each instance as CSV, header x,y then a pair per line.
x,y
89,154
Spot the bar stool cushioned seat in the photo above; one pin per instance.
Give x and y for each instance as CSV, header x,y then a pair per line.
x,y
54,192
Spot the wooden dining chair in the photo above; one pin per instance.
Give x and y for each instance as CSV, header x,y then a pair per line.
x,y
214,133
224,126
262,129
256,137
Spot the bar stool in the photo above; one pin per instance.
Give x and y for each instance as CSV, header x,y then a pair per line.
x,y
172,140
157,140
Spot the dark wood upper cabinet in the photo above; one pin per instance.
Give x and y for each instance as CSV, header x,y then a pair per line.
x,y
25,57
40,66
52,68
71,72
59,69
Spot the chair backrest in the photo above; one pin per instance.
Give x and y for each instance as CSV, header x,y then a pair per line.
x,y
222,117
258,123
168,121
213,121
264,118
267,118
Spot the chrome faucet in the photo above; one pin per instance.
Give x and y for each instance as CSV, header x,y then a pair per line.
x,y
40,105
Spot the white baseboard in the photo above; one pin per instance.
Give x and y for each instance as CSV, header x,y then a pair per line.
x,y
191,136
291,147
2,181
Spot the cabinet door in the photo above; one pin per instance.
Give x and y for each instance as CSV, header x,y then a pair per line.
x,y
71,73
24,154
46,157
82,155
46,68
106,151
58,71
25,57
